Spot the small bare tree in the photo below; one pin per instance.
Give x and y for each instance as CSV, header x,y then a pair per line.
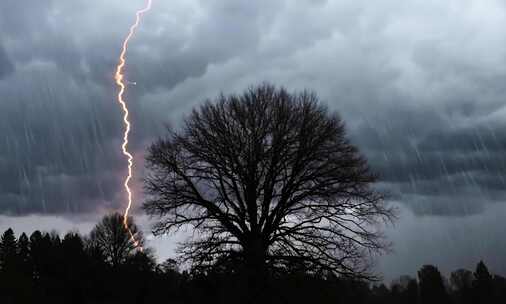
x,y
270,177
114,241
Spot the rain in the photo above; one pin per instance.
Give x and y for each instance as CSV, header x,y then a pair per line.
x,y
420,86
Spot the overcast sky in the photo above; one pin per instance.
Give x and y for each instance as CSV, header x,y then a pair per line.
x,y
420,84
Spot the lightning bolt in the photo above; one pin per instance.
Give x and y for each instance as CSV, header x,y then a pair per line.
x,y
122,88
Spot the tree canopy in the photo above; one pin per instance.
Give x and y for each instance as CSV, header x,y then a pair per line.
x,y
114,241
270,178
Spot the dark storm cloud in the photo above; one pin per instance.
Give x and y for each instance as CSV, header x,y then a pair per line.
x,y
6,66
60,126
420,86
428,154
56,156
435,166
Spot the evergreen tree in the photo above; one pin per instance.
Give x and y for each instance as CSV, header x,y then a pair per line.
x,y
432,289
9,281
8,251
482,284
461,281
24,248
24,256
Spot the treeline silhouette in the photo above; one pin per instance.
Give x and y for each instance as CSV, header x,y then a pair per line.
x,y
47,268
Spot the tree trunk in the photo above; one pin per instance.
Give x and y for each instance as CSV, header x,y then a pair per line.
x,y
256,271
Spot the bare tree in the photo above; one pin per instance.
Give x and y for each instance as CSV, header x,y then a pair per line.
x,y
270,177
114,241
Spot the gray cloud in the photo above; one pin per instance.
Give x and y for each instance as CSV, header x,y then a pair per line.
x,y
6,66
450,243
420,85
421,92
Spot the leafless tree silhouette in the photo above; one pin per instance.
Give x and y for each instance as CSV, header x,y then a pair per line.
x,y
270,177
113,240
